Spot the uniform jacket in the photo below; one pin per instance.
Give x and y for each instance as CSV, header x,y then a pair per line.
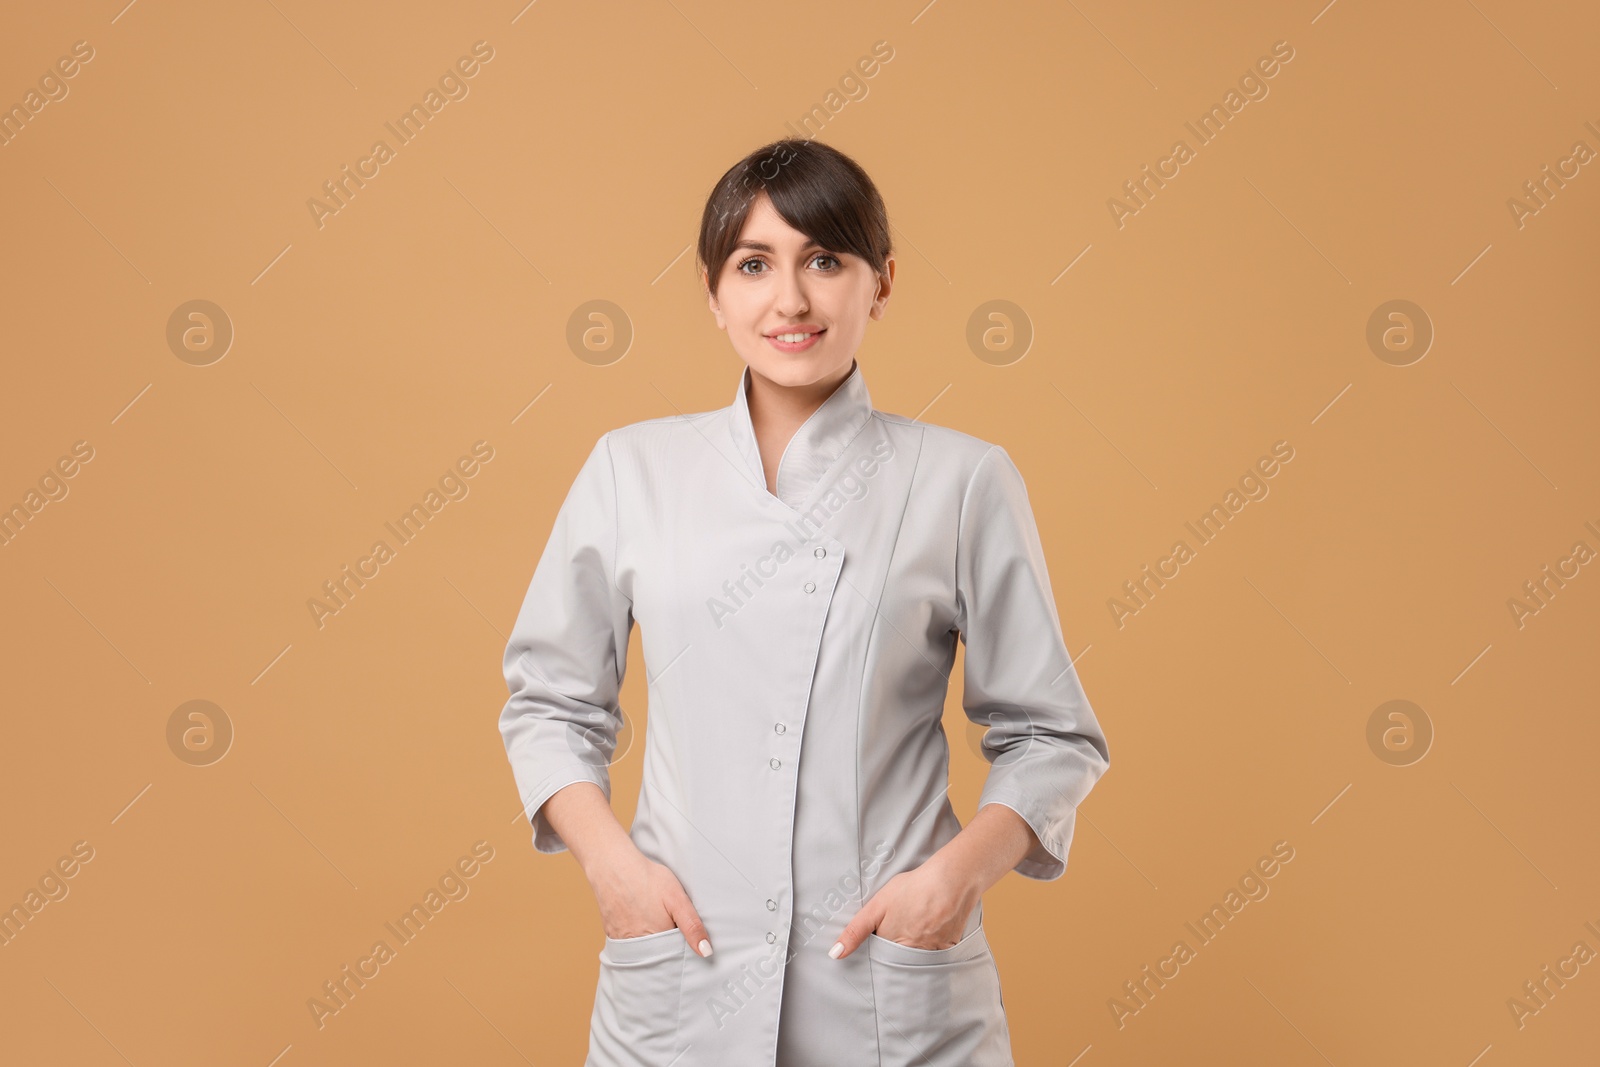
x,y
797,650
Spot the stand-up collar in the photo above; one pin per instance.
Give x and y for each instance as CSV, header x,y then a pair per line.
x,y
815,445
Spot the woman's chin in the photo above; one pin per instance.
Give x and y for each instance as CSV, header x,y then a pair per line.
x,y
797,368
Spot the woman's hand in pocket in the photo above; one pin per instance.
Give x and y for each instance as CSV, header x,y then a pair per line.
x,y
638,896
925,907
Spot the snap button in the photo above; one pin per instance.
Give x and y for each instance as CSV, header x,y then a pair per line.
x,y
771,937
820,553
779,727
772,905
811,587
774,762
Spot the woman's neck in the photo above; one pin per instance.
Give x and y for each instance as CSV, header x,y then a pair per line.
x,y
777,411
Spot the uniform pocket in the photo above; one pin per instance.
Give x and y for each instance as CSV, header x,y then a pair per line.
x,y
635,1021
626,950
939,1007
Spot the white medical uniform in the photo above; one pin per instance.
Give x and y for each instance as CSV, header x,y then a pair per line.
x,y
797,651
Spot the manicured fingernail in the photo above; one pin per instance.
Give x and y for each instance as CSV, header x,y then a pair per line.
x,y
838,947
705,947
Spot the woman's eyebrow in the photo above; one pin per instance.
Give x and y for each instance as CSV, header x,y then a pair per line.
x,y
762,246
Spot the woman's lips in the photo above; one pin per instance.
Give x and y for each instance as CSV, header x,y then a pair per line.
x,y
794,346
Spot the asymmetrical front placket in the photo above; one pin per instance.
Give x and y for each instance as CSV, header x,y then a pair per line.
x,y
797,649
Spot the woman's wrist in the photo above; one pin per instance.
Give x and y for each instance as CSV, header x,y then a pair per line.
x,y
992,843
581,816
603,856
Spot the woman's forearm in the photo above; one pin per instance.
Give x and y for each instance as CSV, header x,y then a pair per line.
x,y
581,815
992,843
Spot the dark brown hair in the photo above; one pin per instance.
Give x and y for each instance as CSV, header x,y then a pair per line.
x,y
815,188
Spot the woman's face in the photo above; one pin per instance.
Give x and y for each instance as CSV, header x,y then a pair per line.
x,y
778,283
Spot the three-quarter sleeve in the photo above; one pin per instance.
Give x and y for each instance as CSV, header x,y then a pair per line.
x,y
568,650
1044,745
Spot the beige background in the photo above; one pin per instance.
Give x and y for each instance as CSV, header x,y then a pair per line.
x,y
433,310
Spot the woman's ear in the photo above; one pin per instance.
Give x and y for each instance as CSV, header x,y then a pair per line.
x,y
711,300
885,287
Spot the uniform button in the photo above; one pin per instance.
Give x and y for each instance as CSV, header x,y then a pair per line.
x,y
820,553
771,937
811,587
774,762
779,727
772,905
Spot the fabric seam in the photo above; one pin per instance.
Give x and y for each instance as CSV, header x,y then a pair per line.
x,y
961,519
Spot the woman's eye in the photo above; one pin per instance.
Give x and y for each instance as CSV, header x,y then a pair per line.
x,y
756,261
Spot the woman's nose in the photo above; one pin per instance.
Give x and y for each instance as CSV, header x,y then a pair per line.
x,y
791,300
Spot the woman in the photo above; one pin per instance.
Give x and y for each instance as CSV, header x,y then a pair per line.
x,y
796,889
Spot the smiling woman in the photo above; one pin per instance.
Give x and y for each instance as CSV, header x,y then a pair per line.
x,y
794,809
800,240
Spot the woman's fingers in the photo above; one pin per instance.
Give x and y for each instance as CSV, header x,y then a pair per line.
x,y
694,932
868,918
856,930
688,920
